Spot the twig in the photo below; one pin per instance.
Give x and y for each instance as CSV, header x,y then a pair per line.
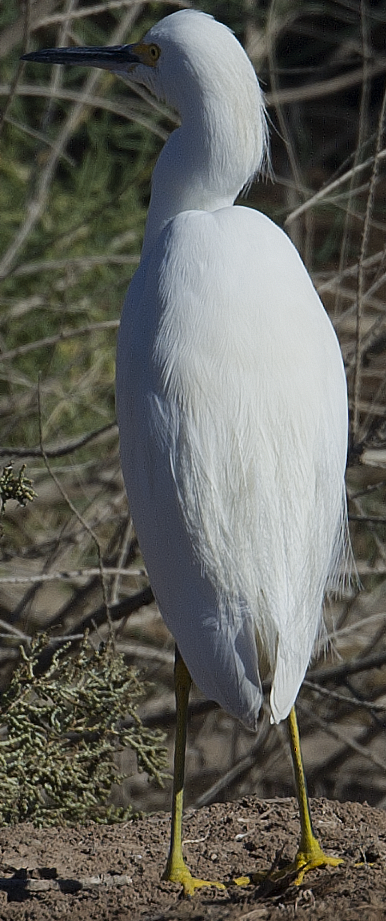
x,y
99,8
58,337
60,451
12,89
361,271
369,519
352,192
19,884
342,698
124,608
38,136
13,631
276,99
340,672
350,271
75,511
322,88
85,11
321,195
236,772
148,653
336,733
125,545
166,716
88,98
64,575
81,262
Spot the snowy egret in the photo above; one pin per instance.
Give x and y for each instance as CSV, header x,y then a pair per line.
x,y
231,399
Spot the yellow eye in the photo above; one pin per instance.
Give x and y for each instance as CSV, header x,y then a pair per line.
x,y
148,54
154,52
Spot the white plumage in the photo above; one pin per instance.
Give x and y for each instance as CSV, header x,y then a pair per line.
x,y
231,393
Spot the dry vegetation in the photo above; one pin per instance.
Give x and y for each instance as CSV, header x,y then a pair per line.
x,y
77,151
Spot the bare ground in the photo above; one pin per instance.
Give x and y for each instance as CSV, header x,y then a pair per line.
x,y
114,872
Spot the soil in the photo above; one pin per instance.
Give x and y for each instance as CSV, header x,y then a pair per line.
x,y
95,872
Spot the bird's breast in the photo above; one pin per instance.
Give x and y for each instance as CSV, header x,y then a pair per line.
x,y
233,417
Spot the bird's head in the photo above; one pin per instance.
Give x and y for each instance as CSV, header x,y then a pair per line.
x,y
197,66
179,59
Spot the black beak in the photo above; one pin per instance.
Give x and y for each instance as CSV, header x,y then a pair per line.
x,y
114,58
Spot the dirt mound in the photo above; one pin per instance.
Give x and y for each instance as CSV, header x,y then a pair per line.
x,y
98,872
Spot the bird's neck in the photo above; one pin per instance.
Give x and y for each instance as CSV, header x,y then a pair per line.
x,y
203,166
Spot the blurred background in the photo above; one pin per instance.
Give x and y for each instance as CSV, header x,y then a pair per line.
x,y
77,149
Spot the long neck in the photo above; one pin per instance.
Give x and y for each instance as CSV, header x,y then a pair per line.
x,y
207,161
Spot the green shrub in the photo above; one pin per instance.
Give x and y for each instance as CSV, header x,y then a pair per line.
x,y
62,727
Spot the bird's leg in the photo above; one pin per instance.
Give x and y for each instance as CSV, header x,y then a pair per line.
x,y
176,870
310,853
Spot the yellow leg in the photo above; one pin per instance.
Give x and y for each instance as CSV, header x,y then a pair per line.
x,y
176,870
310,853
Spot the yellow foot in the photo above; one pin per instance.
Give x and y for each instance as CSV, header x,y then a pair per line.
x,y
310,858
181,874
306,859
243,880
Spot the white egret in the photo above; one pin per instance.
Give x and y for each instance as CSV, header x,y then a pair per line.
x,y
231,399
